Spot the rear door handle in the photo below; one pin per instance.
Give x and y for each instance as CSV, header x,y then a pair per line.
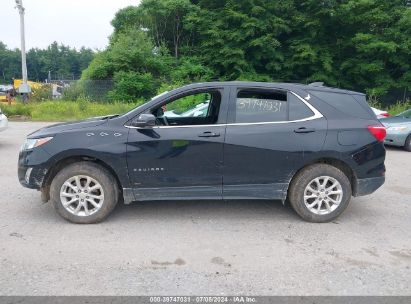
x,y
209,134
304,130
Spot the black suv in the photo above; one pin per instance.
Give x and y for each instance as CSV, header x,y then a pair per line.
x,y
310,145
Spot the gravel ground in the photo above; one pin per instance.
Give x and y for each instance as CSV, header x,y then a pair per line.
x,y
208,248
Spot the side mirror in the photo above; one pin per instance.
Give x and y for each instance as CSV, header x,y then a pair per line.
x,y
144,120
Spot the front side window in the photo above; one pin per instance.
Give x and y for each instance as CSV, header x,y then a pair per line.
x,y
193,109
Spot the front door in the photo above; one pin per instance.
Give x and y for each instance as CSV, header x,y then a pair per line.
x,y
267,135
181,157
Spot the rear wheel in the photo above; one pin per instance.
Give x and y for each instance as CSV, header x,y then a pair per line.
x,y
84,193
407,146
320,193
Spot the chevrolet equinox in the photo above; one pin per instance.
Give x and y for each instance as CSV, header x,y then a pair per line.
x,y
310,145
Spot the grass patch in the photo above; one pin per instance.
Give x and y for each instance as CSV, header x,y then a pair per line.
x,y
399,107
393,109
65,110
16,109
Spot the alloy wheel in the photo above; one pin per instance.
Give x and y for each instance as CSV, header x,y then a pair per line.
x,y
323,195
82,195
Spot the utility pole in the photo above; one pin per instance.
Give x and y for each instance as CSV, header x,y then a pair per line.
x,y
24,88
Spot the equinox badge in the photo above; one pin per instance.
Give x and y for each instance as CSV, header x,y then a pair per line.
x,y
148,169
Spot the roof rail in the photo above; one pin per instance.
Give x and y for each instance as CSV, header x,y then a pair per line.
x,y
316,84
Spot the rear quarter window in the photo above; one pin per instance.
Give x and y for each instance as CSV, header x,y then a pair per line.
x,y
344,103
297,109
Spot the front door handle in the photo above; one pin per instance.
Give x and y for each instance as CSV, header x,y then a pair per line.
x,y
209,134
304,130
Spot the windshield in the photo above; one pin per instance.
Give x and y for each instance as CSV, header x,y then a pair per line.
x,y
405,114
161,94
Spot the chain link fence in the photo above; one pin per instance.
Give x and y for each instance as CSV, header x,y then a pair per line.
x,y
93,90
395,95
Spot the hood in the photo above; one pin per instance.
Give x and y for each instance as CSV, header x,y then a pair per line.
x,y
394,120
66,126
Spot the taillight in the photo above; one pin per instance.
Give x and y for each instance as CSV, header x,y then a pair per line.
x,y
386,114
378,132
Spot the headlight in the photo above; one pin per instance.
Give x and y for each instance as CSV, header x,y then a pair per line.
x,y
35,142
399,128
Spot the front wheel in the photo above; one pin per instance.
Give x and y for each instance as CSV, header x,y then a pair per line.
x,y
320,193
84,193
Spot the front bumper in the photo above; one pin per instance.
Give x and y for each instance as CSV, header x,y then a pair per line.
x,y
31,177
395,139
32,168
365,186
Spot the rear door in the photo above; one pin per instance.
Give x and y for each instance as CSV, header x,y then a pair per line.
x,y
269,131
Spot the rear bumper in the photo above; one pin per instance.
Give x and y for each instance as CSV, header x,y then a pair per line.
x,y
365,186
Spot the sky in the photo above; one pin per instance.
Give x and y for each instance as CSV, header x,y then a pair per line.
x,y
75,23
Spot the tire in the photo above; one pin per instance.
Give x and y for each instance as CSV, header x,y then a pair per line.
x,y
306,177
99,193
407,145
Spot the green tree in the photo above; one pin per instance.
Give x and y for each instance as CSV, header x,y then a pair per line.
x,y
62,61
375,49
129,86
163,20
10,64
356,44
133,62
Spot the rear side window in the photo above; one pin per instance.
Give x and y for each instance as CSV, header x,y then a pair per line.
x,y
297,109
257,105
344,103
260,106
